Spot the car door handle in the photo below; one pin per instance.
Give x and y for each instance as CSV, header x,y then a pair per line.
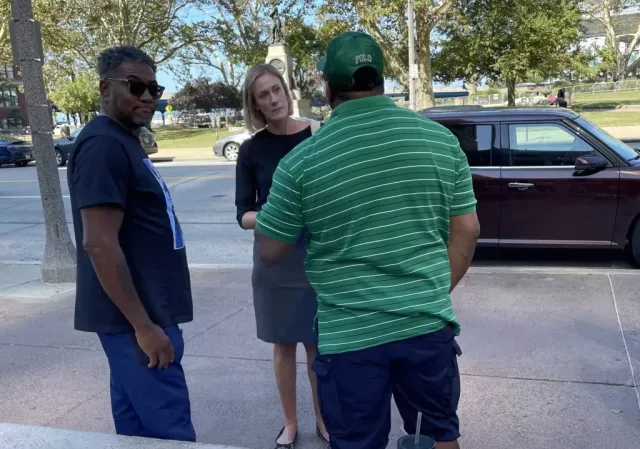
x,y
520,185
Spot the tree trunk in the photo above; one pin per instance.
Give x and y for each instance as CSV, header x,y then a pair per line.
x,y
511,92
622,61
424,85
59,258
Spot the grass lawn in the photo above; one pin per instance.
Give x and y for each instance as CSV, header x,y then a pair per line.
x,y
606,100
617,118
170,137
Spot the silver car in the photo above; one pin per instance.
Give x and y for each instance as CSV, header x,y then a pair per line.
x,y
229,146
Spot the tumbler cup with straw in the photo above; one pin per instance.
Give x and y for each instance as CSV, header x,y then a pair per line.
x,y
416,441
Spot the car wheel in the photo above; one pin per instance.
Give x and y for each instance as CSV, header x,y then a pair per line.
x,y
634,245
230,151
22,164
61,160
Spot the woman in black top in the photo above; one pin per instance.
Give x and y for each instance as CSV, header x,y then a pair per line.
x,y
284,302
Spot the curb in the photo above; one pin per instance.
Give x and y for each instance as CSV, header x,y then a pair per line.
x,y
18,436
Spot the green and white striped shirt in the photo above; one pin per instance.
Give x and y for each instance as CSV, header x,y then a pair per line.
x,y
375,188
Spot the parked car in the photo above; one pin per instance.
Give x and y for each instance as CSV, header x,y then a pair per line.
x,y
229,146
64,147
547,177
16,152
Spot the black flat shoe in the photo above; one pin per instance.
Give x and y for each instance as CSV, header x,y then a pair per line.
x,y
324,440
288,445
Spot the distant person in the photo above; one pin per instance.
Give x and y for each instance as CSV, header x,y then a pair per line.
x,y
561,101
133,285
386,197
284,302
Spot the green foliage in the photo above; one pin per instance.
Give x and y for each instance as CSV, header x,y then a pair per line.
x,y
241,29
48,13
159,27
204,95
80,96
508,40
386,21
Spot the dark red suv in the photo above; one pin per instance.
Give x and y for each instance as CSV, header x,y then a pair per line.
x,y
548,178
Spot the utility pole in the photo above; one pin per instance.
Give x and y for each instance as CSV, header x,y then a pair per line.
x,y
413,68
59,260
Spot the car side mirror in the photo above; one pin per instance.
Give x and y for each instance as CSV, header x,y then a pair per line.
x,y
589,165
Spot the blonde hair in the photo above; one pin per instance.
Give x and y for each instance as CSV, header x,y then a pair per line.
x,y
255,120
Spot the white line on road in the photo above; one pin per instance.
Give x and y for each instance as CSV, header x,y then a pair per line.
x,y
22,181
24,197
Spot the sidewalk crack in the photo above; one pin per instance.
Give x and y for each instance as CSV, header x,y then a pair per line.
x,y
634,380
217,322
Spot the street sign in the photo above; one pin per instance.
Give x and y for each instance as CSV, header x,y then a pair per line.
x,y
168,108
413,71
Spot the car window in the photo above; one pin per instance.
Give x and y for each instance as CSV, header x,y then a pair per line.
x,y
476,141
76,133
545,144
624,151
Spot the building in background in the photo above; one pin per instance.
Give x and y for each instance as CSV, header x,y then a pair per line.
x,y
13,107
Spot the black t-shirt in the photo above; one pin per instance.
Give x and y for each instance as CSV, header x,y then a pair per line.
x,y
258,159
109,167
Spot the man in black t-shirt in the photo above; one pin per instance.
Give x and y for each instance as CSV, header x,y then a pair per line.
x,y
133,285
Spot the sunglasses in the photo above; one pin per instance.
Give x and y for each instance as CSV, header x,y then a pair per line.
x,y
138,88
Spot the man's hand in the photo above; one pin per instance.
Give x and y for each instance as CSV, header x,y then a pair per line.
x,y
156,344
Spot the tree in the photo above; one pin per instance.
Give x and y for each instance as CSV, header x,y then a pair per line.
x,y
606,13
242,29
386,22
508,40
162,28
58,261
80,96
204,95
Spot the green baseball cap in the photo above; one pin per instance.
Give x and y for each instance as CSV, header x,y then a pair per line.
x,y
346,54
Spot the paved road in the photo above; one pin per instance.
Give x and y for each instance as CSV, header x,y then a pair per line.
x,y
203,193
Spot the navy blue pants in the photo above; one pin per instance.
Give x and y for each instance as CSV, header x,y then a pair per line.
x,y
148,402
421,373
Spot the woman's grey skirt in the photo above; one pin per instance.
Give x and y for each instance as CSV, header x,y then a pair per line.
x,y
284,302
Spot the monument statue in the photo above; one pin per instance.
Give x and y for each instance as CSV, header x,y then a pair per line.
x,y
276,29
278,56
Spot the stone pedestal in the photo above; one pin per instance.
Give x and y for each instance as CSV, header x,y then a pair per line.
x,y
278,56
302,108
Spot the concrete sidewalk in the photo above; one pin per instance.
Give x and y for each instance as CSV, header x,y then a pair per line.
x,y
551,359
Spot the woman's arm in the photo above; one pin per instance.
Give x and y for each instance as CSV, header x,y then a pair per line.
x,y
246,189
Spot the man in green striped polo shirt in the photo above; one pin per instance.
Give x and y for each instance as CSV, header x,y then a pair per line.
x,y
387,200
